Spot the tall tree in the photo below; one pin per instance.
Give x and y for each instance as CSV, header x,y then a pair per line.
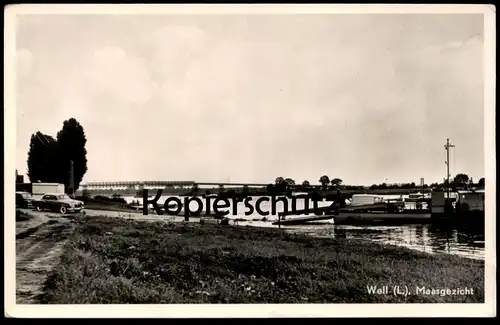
x,y
71,143
279,180
42,159
480,183
461,179
336,181
324,180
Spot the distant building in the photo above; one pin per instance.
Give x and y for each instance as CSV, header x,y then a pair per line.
x,y
21,186
19,179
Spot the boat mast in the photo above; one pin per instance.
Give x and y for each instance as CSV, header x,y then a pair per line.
x,y
447,147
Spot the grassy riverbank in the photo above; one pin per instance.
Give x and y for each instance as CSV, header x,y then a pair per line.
x,y
112,260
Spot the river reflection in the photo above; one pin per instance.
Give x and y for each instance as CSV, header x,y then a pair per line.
x,y
466,241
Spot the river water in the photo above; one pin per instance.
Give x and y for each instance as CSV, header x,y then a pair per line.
x,y
431,238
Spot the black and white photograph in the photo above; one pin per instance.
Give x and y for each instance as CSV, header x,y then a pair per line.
x,y
250,160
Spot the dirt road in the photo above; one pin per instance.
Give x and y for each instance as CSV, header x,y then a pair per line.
x,y
37,251
40,238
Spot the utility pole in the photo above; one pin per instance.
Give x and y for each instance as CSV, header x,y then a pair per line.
x,y
447,147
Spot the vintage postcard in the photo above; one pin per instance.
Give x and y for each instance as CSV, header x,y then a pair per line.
x,y
249,160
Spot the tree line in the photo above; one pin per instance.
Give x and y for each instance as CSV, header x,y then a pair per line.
x,y
460,181
51,160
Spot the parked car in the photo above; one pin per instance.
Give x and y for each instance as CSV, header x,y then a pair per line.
x,y
24,200
58,202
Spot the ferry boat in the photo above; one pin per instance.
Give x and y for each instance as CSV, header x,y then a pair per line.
x,y
372,203
461,205
374,208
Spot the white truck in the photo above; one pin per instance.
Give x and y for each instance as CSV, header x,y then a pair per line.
x,y
39,189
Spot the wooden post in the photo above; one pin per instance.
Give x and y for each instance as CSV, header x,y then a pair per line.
x,y
186,211
145,205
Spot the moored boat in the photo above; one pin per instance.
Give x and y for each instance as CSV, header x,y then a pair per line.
x,y
372,203
470,206
418,197
303,220
373,208
382,217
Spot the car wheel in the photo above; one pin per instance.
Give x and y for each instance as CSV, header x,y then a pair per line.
x,y
39,208
63,210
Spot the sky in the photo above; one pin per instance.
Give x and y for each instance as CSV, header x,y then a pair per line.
x,y
247,98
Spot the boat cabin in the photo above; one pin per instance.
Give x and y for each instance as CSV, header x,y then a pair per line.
x,y
417,195
363,199
471,201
